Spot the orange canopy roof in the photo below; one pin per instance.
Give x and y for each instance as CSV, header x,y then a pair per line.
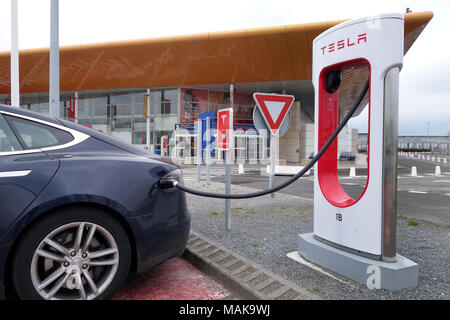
x,y
252,55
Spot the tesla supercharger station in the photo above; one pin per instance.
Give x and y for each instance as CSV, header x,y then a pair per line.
x,y
357,237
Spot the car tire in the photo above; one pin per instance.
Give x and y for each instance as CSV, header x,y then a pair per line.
x,y
71,254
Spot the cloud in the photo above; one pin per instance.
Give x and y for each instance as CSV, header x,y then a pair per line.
x,y
424,92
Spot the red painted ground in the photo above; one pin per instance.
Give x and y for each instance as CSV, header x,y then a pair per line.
x,y
175,279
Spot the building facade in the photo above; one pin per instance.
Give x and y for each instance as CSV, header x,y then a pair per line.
x,y
186,76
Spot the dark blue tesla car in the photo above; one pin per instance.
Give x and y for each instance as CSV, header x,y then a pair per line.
x,y
80,210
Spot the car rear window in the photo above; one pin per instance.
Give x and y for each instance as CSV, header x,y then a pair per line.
x,y
8,141
34,135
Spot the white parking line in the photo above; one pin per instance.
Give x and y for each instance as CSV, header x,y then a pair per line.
x,y
441,181
409,176
296,257
415,191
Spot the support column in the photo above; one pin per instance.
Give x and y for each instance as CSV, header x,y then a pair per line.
x,y
148,128
15,90
54,60
76,106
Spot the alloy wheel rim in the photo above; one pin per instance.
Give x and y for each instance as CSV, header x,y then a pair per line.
x,y
77,261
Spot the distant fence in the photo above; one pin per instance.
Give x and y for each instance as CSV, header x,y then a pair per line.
x,y
249,146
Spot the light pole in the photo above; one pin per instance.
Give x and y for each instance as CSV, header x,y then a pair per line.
x,y
15,91
54,60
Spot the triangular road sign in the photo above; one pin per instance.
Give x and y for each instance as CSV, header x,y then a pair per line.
x,y
274,108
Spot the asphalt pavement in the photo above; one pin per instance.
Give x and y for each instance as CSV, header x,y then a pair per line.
x,y
425,197
264,230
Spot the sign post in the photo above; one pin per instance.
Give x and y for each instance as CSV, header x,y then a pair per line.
x,y
199,150
273,141
207,122
274,109
225,142
208,151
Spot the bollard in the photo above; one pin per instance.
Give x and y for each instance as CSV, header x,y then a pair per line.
x,y
352,172
437,171
445,160
428,157
413,172
432,159
439,159
241,169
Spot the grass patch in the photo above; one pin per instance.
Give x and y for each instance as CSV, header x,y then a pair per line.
x,y
215,213
255,245
315,290
413,222
448,227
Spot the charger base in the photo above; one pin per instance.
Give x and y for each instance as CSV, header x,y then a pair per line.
x,y
401,274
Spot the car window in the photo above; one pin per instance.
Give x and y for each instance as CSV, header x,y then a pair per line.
x,y
35,135
8,141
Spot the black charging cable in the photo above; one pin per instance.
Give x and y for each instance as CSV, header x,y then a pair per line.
x,y
169,182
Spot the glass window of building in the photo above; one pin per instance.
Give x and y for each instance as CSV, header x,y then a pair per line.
x,y
100,105
84,108
138,97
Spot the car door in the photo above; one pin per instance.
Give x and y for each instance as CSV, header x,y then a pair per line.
x,y
25,169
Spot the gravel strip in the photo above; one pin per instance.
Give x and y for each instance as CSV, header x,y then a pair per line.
x,y
264,230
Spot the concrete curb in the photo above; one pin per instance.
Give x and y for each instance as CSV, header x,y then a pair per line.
x,y
240,275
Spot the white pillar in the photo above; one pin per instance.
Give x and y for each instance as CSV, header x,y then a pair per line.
x,y
54,60
148,121
76,106
15,90
437,171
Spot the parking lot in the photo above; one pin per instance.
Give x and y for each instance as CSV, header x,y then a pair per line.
x,y
426,196
175,279
264,231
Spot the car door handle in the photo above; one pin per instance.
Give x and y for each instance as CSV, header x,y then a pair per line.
x,y
12,174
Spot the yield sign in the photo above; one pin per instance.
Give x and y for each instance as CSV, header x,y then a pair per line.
x,y
274,108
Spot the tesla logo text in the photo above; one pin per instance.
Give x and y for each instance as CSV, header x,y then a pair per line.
x,y
344,43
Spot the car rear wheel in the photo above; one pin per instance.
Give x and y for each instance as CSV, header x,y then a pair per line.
x,y
78,253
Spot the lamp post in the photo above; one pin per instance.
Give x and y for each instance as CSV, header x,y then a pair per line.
x,y
15,95
54,60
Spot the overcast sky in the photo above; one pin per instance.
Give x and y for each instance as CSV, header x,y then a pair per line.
x,y
424,92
